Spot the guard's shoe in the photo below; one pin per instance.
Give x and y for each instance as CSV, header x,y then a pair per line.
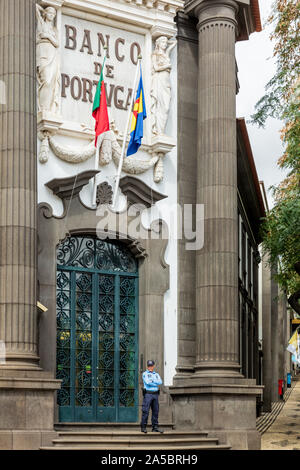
x,y
144,430
157,430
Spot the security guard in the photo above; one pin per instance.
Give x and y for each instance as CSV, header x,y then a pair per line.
x,y
151,381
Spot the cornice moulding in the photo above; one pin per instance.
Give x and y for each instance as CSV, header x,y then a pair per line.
x,y
48,122
144,13
51,3
192,4
162,144
247,16
195,6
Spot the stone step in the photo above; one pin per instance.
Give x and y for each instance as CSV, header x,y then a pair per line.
x,y
143,443
154,447
99,427
129,435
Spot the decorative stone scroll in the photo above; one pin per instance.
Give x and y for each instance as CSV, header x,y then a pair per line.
x,y
110,150
72,154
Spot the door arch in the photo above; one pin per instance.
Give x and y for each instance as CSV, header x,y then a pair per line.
x,y
97,331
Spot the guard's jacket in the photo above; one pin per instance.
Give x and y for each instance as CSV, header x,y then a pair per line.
x,y
151,381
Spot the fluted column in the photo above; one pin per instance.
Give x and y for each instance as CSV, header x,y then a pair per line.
x,y
266,335
274,335
18,183
217,318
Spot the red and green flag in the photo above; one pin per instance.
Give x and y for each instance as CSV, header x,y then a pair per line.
x,y
100,113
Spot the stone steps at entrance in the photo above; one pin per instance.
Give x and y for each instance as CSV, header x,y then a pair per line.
x,y
156,447
125,435
164,448
145,443
99,427
116,437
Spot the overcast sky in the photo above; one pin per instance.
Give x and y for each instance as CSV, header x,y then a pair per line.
x,y
256,67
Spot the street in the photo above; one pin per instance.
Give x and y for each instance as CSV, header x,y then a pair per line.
x,y
284,434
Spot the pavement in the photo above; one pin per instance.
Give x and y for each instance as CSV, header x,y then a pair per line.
x,y
284,433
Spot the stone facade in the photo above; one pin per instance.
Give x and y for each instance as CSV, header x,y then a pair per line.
x,y
187,300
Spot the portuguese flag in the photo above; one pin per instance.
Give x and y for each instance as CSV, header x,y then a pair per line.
x,y
100,113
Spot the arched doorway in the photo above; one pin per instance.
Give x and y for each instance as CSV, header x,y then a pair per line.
x,y
97,331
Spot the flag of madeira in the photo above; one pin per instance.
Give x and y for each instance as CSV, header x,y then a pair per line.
x,y
139,114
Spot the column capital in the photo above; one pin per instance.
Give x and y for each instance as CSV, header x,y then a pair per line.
x,y
208,11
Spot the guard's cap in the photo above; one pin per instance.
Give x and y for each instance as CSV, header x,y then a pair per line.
x,y
150,363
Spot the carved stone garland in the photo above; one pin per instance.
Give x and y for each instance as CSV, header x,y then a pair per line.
x,y
50,120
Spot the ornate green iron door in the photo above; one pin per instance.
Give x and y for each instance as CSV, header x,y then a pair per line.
x,y
97,331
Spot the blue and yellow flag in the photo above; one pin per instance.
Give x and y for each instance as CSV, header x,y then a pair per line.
x,y
139,114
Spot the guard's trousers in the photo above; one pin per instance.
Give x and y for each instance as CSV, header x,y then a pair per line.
x,y
150,401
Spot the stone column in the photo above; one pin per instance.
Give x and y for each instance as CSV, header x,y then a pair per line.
x,y
274,338
217,318
18,184
187,70
216,397
266,336
26,391
281,338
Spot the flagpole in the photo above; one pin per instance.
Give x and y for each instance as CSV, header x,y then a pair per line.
x,y
96,168
97,150
126,132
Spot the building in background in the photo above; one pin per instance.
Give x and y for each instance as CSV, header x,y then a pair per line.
x,y
137,282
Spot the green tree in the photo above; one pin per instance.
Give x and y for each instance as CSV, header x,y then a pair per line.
x,y
281,227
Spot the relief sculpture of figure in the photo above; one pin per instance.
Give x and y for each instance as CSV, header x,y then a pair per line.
x,y
161,84
48,68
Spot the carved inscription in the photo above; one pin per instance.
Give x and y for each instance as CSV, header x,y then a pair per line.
x,y
81,88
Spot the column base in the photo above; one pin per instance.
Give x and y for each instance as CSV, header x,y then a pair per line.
x,y
21,361
218,369
223,407
26,408
183,372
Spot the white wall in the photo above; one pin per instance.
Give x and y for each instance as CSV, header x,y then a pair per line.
x,y
81,114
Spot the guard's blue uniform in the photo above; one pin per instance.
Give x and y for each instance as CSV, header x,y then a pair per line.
x,y
151,381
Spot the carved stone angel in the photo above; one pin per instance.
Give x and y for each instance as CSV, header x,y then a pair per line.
x,y
161,85
48,67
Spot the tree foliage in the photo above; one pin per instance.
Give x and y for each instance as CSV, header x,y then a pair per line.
x,y
281,228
